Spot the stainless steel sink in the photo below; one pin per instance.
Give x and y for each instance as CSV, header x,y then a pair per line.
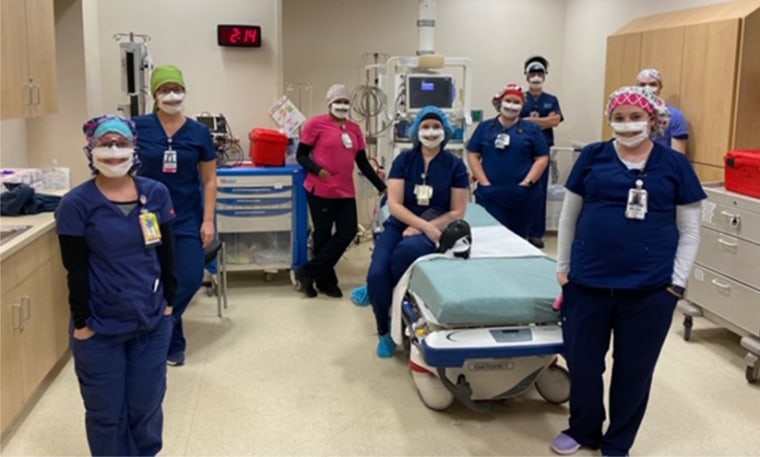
x,y
8,232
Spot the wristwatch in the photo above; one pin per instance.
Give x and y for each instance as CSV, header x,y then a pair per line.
x,y
680,291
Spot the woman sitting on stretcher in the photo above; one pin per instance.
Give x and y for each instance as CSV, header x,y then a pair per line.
x,y
427,189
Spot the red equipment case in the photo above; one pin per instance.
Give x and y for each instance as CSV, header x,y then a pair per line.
x,y
742,172
267,147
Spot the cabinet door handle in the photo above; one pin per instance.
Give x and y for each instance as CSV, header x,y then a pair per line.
x,y
28,97
25,300
730,244
720,284
36,90
17,324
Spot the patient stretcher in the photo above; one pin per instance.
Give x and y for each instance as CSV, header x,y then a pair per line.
x,y
481,328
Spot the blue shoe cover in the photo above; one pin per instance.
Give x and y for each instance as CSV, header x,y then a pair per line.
x,y
359,296
386,347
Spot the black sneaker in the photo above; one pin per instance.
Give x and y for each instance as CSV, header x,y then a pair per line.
x,y
333,292
537,242
307,284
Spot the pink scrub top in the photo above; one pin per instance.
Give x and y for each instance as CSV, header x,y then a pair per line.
x,y
324,134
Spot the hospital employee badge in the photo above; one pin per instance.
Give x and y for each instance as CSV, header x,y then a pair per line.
x,y
345,138
170,161
534,114
424,193
502,141
150,229
636,208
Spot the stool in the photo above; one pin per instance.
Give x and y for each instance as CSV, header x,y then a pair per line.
x,y
218,284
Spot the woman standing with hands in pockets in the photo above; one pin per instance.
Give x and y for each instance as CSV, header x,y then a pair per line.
x,y
628,238
179,152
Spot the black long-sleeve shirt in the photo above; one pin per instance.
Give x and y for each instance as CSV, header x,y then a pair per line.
x,y
75,256
303,156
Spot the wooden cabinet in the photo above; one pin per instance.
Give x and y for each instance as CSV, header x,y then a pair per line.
x,y
28,84
709,58
33,323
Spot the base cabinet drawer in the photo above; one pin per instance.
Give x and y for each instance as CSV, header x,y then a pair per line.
x,y
730,256
726,298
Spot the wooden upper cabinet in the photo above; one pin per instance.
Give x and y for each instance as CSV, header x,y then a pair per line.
x,y
29,83
747,114
662,49
707,88
623,57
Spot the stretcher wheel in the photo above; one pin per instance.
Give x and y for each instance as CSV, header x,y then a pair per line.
x,y
294,281
432,392
751,373
553,384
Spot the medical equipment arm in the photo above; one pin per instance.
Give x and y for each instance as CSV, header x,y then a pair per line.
x,y
476,166
75,255
537,169
688,218
165,252
303,156
568,218
366,168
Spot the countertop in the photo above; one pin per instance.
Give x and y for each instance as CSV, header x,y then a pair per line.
x,y
40,224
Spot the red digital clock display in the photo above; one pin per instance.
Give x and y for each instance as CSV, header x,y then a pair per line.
x,y
246,36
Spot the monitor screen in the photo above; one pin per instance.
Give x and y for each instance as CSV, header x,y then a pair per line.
x,y
424,90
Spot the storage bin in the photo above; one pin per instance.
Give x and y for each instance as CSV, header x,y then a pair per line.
x,y
742,172
268,147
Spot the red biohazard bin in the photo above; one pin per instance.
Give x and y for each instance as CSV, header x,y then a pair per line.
x,y
742,172
267,147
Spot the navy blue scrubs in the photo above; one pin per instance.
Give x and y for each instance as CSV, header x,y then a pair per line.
x,y
619,272
505,199
122,368
193,144
393,253
543,105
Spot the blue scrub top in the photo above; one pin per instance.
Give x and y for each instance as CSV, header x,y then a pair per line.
x,y
678,128
508,166
612,251
543,104
194,144
445,171
126,293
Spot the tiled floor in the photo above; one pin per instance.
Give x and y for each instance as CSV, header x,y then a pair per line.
x,y
285,375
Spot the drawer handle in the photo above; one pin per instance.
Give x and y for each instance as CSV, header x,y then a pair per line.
x,y
726,243
733,219
720,284
20,320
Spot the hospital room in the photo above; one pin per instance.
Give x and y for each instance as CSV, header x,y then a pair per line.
x,y
380,228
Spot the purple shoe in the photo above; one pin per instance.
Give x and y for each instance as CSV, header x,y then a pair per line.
x,y
565,445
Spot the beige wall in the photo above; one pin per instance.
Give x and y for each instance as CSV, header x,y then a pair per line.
x,y
13,143
325,40
240,83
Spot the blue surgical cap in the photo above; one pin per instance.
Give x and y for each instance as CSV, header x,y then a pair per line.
x,y
426,113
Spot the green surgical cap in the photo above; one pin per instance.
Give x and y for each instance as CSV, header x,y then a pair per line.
x,y
163,75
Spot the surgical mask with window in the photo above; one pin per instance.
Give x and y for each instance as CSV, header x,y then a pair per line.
x,y
340,110
167,102
113,152
651,88
640,128
536,82
431,137
511,110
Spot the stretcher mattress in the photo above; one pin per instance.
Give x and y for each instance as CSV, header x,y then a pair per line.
x,y
487,291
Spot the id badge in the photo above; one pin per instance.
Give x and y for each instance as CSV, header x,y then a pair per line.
x,y
502,141
346,139
636,208
534,114
170,161
150,229
423,193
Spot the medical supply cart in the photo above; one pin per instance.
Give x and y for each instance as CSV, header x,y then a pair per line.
x,y
262,218
724,286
